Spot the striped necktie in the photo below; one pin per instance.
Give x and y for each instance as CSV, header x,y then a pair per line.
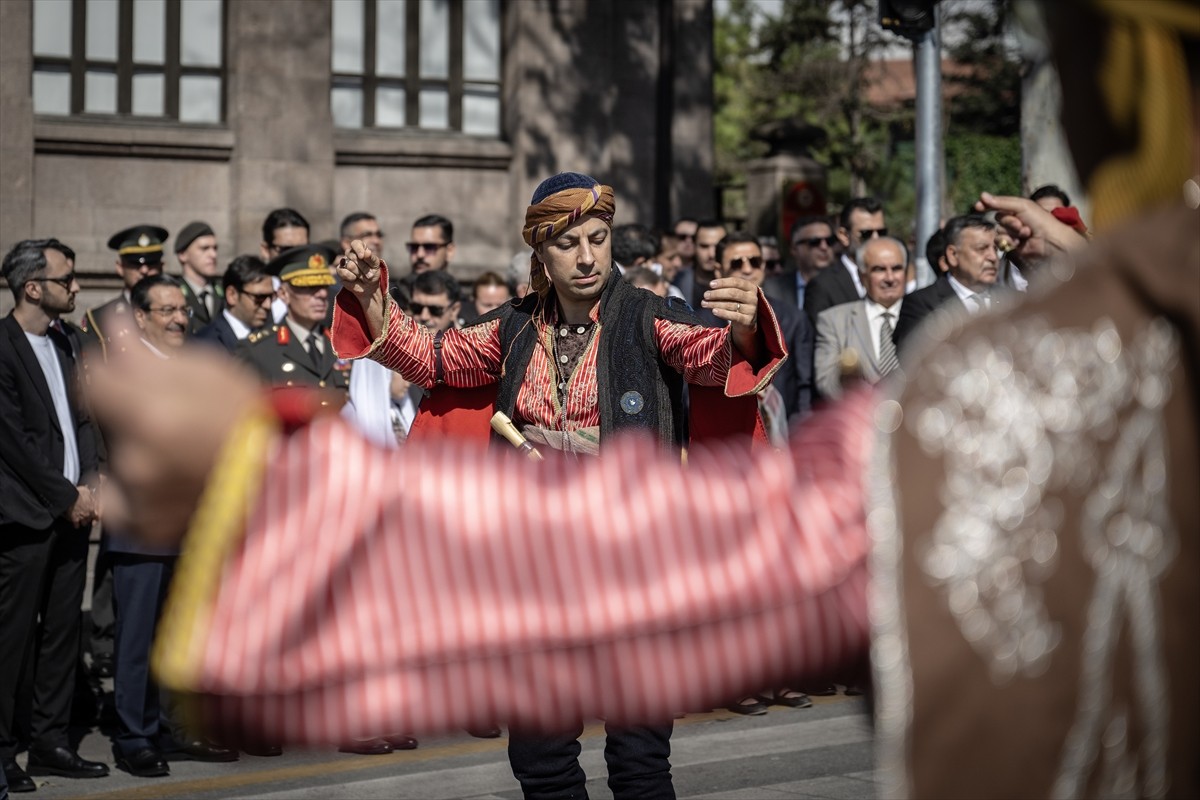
x,y
887,348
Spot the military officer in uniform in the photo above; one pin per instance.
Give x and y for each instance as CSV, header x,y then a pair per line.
x,y
296,351
196,249
139,255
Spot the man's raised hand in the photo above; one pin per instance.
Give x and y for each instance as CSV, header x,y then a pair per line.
x,y
359,270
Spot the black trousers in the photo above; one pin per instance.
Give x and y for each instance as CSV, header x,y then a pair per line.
x,y
638,758
102,608
139,590
42,575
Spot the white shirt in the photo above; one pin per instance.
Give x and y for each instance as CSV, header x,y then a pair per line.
x,y
974,301
278,307
875,314
47,358
852,268
240,329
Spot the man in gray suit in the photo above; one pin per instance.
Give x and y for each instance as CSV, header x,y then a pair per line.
x,y
863,327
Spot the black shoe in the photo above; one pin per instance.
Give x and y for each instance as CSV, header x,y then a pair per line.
x,y
792,698
199,750
65,763
485,733
754,708
263,750
854,691
399,741
145,763
18,780
823,691
366,747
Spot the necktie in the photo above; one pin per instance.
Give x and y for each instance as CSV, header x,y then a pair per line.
x,y
887,348
206,302
310,344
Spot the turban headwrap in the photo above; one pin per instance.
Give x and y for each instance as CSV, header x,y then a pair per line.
x,y
1144,81
558,203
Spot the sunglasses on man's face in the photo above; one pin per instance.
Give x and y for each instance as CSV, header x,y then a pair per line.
x,y
428,247
687,237
816,241
871,233
755,262
65,281
418,308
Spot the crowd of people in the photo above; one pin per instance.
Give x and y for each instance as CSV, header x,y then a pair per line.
x,y
1009,527
841,310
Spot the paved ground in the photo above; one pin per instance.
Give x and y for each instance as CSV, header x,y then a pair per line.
x,y
821,752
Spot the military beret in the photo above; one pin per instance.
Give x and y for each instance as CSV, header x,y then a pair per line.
x,y
190,233
306,265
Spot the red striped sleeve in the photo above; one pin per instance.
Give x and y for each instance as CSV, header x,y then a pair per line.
x,y
436,588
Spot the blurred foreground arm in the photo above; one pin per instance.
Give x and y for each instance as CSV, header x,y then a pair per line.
x,y
331,589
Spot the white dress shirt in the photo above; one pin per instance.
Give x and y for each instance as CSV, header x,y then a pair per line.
x,y
974,301
240,329
875,314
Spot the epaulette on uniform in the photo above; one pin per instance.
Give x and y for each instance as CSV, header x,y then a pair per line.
x,y
261,334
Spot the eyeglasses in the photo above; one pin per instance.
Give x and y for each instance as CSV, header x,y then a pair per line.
x,y
871,233
773,263
755,262
258,298
429,247
378,234
166,312
687,237
816,241
434,311
65,281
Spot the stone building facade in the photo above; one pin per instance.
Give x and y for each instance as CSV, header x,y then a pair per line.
x,y
118,112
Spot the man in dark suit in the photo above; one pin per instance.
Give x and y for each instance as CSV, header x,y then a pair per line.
x,y
196,249
296,351
740,256
693,283
48,479
861,219
972,268
249,291
812,246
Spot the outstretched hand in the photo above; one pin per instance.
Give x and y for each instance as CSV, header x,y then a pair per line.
x,y
736,300
165,422
1038,235
359,270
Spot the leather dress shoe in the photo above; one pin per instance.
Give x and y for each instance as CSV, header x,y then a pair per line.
x,y
485,733
17,779
63,762
792,698
822,691
263,750
366,747
200,750
753,708
145,763
399,741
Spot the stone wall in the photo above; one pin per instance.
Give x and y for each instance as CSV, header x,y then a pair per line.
x,y
588,86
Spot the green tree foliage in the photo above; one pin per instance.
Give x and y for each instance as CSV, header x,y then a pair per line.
x,y
810,65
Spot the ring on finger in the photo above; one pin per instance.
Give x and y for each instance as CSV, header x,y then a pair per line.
x,y
738,310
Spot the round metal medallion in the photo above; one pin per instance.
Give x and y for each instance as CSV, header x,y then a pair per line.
x,y
632,403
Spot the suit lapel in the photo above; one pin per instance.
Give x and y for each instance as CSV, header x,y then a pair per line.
x,y
32,366
294,350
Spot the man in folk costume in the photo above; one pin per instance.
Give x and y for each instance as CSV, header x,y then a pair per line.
x,y
582,357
